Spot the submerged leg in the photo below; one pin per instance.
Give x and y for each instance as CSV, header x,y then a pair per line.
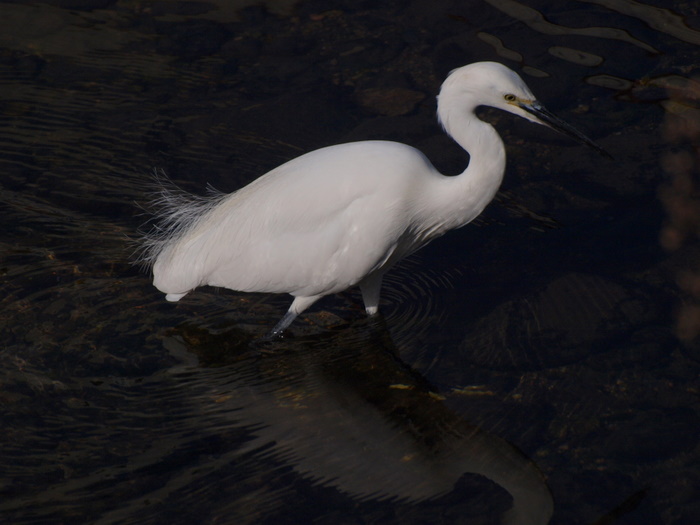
x,y
298,305
371,287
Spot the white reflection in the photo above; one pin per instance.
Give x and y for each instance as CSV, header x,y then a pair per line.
x,y
359,420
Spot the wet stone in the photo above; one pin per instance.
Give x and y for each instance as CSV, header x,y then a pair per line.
x,y
652,435
573,317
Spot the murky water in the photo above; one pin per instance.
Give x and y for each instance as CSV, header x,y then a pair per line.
x,y
549,347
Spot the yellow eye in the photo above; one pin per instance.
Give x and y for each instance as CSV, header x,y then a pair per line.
x,y
510,98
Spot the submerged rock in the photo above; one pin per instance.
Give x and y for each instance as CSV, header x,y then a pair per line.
x,y
570,318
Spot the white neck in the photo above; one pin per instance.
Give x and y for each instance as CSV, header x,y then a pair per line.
x,y
462,198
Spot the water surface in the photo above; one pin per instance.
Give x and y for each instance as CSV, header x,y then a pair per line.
x,y
551,346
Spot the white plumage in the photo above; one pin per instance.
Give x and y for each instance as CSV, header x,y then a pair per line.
x,y
343,215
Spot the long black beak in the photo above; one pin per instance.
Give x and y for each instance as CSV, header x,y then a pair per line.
x,y
554,122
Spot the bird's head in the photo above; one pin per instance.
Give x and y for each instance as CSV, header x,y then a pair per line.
x,y
493,84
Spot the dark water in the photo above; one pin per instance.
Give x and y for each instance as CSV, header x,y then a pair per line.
x,y
550,346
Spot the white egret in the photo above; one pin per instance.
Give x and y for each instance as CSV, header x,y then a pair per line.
x,y
342,215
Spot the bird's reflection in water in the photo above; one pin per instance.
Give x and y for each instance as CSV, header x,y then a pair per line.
x,y
345,412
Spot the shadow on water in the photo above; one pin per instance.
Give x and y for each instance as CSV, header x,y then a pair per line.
x,y
345,412
341,410
556,324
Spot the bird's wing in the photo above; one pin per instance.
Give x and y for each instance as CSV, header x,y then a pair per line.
x,y
315,225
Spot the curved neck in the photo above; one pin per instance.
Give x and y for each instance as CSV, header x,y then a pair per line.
x,y
465,196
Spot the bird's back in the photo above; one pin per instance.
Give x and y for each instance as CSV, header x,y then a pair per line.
x,y
313,226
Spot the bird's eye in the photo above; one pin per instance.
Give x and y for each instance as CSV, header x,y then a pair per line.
x,y
510,98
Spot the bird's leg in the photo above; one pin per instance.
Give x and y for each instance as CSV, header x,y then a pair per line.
x,y
370,287
298,305
282,325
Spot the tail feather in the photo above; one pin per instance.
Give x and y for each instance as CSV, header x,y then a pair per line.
x,y
174,213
